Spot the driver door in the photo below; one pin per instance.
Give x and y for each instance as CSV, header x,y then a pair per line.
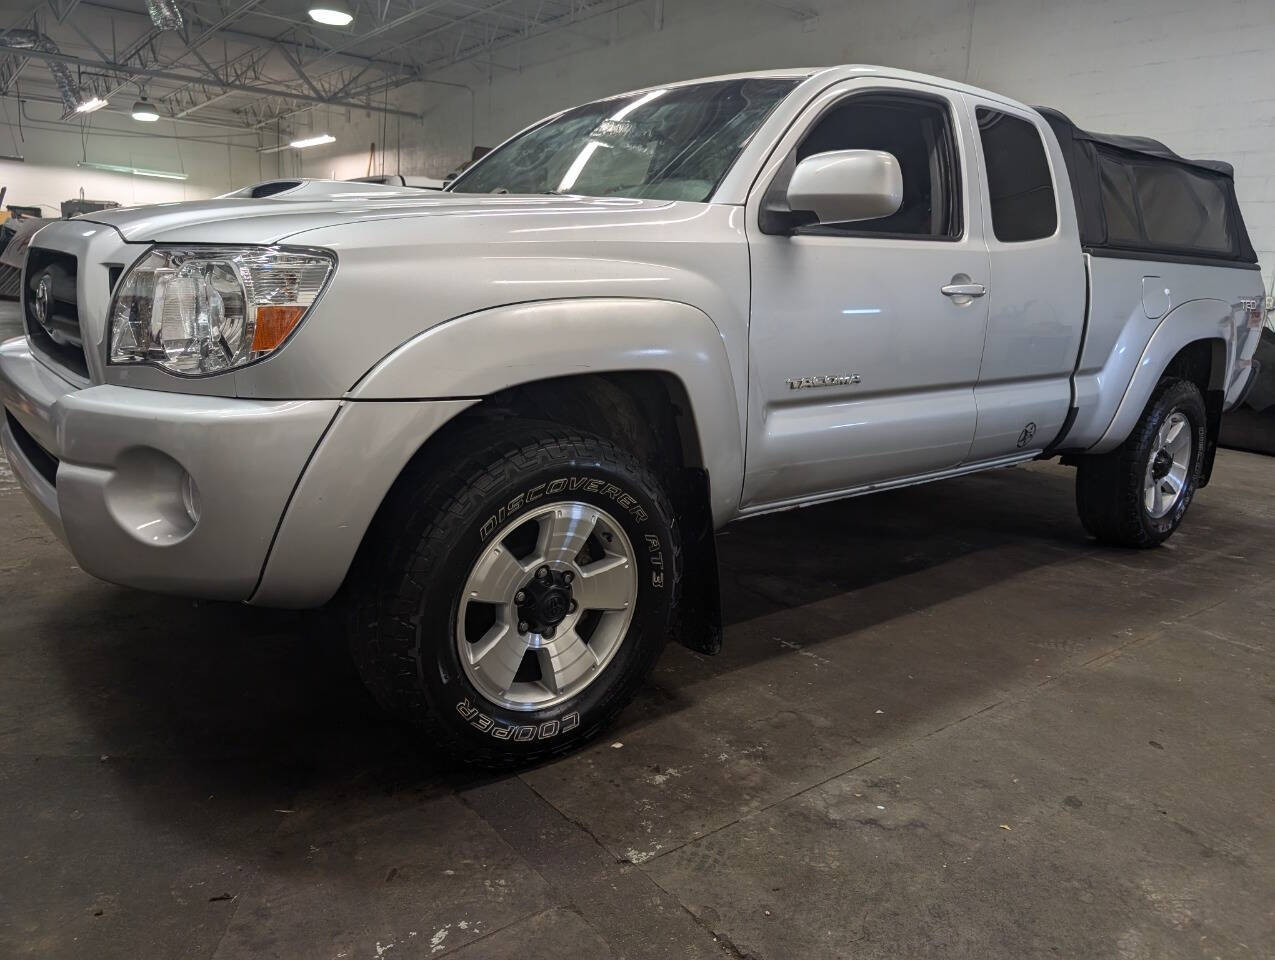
x,y
862,366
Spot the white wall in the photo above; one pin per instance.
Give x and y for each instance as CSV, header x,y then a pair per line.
x,y
51,149
1198,74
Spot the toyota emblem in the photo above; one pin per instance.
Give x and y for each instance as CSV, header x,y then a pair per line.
x,y
44,303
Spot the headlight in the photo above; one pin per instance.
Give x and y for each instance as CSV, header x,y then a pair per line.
x,y
201,310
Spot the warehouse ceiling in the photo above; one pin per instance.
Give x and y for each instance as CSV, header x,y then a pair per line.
x,y
257,63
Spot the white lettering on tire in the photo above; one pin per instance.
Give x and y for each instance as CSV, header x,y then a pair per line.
x,y
625,501
519,733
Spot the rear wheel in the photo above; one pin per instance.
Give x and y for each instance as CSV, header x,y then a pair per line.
x,y
511,603
1136,495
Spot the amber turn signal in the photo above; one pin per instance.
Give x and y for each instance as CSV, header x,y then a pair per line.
x,y
273,326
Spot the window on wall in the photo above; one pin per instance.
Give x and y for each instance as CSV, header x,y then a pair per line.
x,y
1020,189
918,131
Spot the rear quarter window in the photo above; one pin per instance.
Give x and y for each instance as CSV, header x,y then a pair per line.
x,y
1019,186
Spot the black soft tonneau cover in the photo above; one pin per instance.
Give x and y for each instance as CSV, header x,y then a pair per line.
x,y
1136,197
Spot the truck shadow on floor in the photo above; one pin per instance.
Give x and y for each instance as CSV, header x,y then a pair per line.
x,y
799,557
227,700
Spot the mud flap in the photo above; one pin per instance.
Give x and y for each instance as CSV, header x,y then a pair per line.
x,y
699,614
1214,400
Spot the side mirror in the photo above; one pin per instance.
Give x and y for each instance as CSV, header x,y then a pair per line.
x,y
847,185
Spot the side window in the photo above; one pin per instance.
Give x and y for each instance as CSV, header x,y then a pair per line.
x,y
1155,205
1019,187
1123,223
1182,210
918,131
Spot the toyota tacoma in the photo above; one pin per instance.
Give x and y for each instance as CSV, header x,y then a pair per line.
x,y
499,424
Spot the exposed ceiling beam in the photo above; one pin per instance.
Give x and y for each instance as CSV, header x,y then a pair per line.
x,y
385,27
210,29
67,9
580,12
300,71
222,57
238,128
12,63
191,46
455,22
257,38
253,89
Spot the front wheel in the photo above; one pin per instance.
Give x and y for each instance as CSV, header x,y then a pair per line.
x,y
1136,495
512,600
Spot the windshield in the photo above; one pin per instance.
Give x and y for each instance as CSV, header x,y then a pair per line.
x,y
669,144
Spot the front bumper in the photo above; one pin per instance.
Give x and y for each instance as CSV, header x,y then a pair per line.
x,y
105,468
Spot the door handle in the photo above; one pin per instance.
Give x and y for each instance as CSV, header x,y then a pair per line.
x,y
963,290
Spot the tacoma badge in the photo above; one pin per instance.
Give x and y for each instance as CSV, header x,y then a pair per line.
x,y
801,383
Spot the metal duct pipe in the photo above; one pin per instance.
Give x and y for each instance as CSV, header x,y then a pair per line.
x,y
165,14
31,40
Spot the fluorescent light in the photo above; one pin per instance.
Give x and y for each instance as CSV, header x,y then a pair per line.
x,y
312,141
333,13
133,171
145,111
89,105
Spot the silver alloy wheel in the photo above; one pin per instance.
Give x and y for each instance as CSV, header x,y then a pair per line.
x,y
546,605
1168,464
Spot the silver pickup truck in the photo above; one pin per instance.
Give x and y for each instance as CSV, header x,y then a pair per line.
x,y
500,423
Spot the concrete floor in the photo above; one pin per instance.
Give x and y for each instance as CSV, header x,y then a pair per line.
x,y
944,725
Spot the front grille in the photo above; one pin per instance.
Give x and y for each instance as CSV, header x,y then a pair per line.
x,y
56,334
45,462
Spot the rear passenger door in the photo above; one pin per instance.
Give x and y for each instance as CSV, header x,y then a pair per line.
x,y
1036,297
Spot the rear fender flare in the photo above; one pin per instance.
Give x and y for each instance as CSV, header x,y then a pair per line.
x,y
1194,320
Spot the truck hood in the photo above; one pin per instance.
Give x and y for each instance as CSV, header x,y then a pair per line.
x,y
238,219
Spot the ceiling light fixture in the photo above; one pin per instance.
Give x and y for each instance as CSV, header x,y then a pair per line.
x,y
145,111
89,105
332,13
133,171
312,141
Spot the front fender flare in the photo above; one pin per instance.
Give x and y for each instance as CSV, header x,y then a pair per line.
x,y
482,353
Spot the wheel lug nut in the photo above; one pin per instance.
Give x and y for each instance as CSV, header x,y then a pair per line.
x,y
568,576
520,596
523,626
574,606
548,633
542,573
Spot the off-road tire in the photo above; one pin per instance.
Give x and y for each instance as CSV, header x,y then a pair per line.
x,y
406,586
1110,488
